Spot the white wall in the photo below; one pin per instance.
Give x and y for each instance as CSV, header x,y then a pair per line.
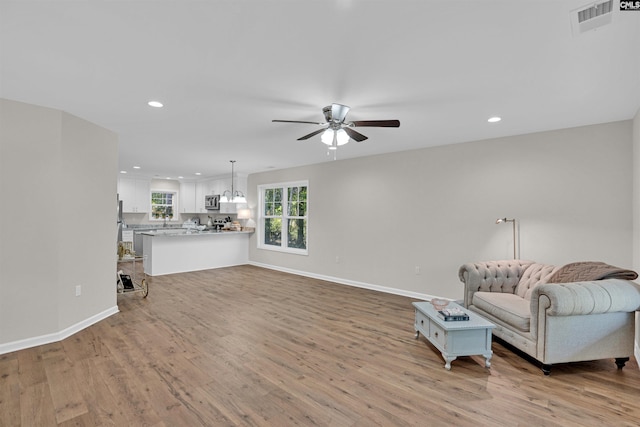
x,y
436,208
636,192
636,215
54,168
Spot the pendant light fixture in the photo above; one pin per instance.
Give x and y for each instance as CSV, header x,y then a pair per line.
x,y
232,196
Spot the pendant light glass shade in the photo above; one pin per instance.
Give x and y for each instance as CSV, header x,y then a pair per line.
x,y
239,198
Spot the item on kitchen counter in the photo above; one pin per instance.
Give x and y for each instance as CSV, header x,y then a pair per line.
x,y
210,222
190,224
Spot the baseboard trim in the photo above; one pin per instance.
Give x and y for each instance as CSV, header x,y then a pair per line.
x,y
57,336
388,290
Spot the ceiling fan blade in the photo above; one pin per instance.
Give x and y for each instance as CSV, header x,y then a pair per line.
x,y
298,121
378,123
302,138
356,136
339,112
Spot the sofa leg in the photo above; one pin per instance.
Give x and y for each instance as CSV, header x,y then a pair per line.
x,y
620,361
546,369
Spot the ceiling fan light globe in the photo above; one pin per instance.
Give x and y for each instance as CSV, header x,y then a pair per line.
x,y
327,137
342,137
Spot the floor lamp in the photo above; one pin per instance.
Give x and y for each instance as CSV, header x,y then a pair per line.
x,y
501,220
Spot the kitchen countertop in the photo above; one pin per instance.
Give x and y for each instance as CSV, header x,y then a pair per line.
x,y
184,232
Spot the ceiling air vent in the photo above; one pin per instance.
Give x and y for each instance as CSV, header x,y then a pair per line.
x,y
590,17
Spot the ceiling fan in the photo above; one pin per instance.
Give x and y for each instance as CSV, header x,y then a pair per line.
x,y
337,131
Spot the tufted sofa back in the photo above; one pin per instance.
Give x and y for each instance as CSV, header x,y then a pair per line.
x,y
492,276
534,275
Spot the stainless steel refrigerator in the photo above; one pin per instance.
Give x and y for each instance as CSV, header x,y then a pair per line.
x,y
120,220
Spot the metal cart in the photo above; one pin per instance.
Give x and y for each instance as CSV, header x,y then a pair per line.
x,y
126,277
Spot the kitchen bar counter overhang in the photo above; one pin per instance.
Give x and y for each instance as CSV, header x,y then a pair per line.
x,y
178,251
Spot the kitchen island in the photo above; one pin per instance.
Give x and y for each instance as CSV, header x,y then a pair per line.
x,y
180,251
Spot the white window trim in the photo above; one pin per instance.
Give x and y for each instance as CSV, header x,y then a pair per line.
x,y
260,222
175,199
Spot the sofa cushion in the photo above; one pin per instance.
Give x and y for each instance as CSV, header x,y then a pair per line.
x,y
533,276
513,310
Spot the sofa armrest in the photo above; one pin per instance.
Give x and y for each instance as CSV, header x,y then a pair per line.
x,y
551,300
491,276
580,298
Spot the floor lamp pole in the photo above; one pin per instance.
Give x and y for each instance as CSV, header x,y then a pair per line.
x,y
513,220
514,239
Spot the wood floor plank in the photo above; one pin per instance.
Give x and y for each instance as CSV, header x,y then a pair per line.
x,y
128,391
36,406
247,346
68,398
10,402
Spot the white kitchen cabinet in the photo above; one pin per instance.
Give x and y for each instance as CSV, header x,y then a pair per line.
x,y
135,194
202,189
188,197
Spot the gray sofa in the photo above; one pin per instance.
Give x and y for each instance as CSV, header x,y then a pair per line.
x,y
555,322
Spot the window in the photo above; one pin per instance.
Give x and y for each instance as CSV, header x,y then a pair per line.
x,y
283,217
162,205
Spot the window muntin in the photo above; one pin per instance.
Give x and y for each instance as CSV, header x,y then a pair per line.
x,y
163,205
284,217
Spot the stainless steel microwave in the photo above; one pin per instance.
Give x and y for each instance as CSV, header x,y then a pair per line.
x,y
212,202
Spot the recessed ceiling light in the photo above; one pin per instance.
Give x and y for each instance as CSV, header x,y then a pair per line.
x,y
123,171
136,167
180,177
494,119
198,173
155,104
168,177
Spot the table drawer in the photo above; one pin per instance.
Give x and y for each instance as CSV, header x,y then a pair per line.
x,y
438,336
422,323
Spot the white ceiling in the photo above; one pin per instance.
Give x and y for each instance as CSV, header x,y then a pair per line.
x,y
224,69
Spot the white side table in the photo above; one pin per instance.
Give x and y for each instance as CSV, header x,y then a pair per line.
x,y
454,338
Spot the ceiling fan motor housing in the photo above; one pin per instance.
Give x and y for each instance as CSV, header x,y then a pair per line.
x,y
327,113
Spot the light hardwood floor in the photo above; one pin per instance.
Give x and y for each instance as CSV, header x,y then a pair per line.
x,y
249,346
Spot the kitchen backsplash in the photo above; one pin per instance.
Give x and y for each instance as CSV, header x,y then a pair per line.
x,y
135,220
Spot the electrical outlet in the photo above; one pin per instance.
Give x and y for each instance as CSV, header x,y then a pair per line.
x,y
78,290
417,270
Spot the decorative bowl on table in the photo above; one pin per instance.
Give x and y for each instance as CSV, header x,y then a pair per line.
x,y
439,303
